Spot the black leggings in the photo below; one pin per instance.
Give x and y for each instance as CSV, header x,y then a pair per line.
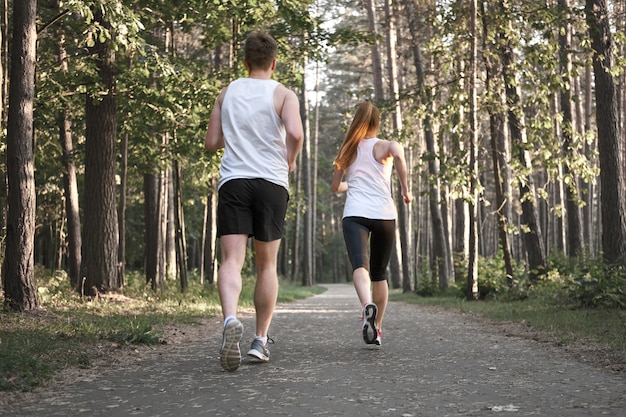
x,y
381,235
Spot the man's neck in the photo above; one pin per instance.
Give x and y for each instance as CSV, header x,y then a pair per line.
x,y
260,74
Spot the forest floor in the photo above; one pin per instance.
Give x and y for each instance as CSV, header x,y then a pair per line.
x,y
433,362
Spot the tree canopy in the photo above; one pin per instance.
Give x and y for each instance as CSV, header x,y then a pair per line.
x,y
543,93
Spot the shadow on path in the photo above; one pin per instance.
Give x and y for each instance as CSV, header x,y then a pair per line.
x,y
432,363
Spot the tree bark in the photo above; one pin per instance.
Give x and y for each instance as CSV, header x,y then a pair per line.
x,y
404,230
530,221
169,246
308,257
20,293
210,252
100,238
72,209
377,68
121,213
497,138
153,241
181,242
472,265
575,242
613,184
440,253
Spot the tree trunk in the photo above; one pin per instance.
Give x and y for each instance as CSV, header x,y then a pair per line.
x,y
295,250
308,257
169,247
20,293
589,188
72,210
316,134
530,222
181,243
472,264
153,240
377,68
497,128
210,252
121,213
557,234
151,235
440,254
613,184
100,238
404,231
574,226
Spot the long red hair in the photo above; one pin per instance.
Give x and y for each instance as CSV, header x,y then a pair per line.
x,y
366,118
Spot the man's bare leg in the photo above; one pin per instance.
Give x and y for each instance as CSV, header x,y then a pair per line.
x,y
229,287
233,249
266,289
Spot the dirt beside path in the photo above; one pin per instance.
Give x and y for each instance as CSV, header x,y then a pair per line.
x,y
432,363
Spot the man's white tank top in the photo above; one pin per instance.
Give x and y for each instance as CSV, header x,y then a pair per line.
x,y
254,135
369,186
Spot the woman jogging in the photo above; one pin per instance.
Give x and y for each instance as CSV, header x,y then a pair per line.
x,y
369,214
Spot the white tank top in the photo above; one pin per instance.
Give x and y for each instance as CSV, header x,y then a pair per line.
x,y
254,135
369,186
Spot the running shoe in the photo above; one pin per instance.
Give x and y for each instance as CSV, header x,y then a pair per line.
x,y
379,338
260,351
369,327
230,355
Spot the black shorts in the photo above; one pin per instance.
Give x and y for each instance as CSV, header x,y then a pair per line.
x,y
357,232
255,207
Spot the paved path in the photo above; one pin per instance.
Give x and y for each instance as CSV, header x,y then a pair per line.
x,y
432,363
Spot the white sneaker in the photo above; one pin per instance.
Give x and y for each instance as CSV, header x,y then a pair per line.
x,y
370,333
259,351
230,355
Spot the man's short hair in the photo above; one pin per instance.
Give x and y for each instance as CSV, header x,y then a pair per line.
x,y
260,50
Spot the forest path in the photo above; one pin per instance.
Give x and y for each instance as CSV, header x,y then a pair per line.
x,y
432,363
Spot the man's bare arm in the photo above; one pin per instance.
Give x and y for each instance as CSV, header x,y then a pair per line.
x,y
214,138
290,116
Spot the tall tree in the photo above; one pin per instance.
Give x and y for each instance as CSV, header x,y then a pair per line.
x,y
613,184
210,248
154,263
530,220
179,217
472,266
18,272
100,242
72,205
404,231
574,226
440,250
497,139
377,67
309,234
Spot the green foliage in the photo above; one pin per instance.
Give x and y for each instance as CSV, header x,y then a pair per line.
x,y
594,285
70,331
139,335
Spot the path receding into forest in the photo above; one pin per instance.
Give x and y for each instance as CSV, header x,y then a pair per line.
x,y
432,363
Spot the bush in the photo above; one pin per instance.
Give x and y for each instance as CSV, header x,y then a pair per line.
x,y
598,285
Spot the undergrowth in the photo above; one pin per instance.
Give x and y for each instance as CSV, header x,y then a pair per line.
x,y
575,299
73,332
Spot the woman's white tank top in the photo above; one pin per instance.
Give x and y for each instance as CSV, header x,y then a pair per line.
x,y
254,135
369,185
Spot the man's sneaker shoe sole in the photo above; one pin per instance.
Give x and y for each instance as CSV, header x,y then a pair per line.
x,y
230,355
370,332
259,352
259,356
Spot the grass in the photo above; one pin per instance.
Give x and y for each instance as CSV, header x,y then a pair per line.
x,y
606,326
71,332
